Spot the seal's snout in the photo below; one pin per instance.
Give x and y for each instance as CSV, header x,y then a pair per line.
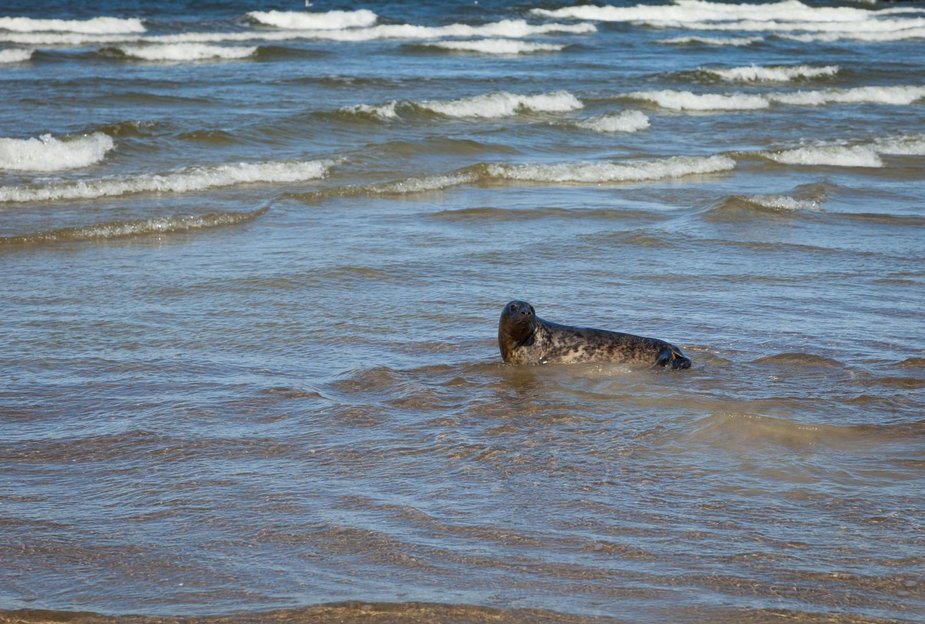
x,y
517,310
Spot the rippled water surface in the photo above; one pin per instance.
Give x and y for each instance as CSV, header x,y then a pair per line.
x,y
252,259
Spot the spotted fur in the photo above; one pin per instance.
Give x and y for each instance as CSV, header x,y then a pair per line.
x,y
526,339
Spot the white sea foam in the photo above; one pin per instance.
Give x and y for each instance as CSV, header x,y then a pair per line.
x,y
843,154
487,106
602,172
626,121
510,29
303,20
788,16
185,181
504,104
898,34
94,26
15,56
901,146
837,30
47,153
383,111
186,52
895,95
784,203
695,11
713,41
63,38
698,12
427,184
497,46
754,73
686,100
830,155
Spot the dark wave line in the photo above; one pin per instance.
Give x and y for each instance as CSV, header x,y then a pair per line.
x,y
137,228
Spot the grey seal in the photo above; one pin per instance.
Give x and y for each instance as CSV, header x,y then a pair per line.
x,y
525,338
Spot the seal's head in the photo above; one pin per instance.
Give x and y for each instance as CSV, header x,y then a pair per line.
x,y
516,328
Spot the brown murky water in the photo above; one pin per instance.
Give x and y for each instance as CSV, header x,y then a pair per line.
x,y
248,356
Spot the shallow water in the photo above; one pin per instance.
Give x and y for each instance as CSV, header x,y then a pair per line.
x,y
251,289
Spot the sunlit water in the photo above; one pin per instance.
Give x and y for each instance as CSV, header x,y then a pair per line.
x,y
251,267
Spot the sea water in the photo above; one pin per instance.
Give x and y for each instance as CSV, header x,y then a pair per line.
x,y
253,256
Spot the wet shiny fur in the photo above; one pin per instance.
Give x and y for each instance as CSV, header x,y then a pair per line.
x,y
526,339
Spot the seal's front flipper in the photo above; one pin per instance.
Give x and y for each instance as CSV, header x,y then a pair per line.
x,y
664,357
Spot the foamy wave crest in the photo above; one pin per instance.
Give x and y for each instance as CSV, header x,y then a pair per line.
x,y
15,56
695,11
488,106
895,95
301,20
713,41
47,153
686,100
94,26
186,52
898,34
496,46
504,104
901,146
509,29
789,19
754,73
383,111
626,121
778,17
829,155
597,172
143,227
425,185
783,203
189,180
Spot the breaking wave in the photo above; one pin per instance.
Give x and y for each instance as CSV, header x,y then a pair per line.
x,y
783,203
753,73
901,146
302,20
185,52
900,34
141,227
570,173
15,56
713,41
626,121
896,95
185,181
829,155
46,153
788,16
94,26
504,104
487,106
495,46
844,155
689,101
686,100
738,207
511,29
601,172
